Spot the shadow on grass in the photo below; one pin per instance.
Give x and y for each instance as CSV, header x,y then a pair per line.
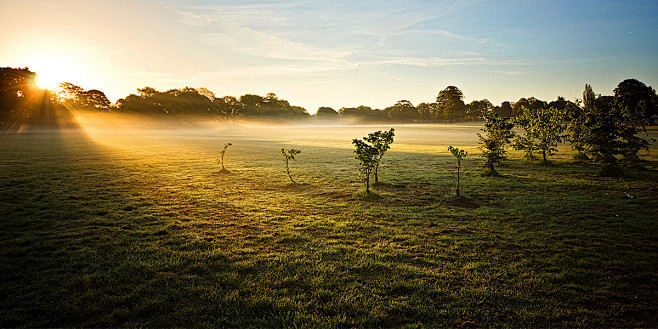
x,y
462,202
368,196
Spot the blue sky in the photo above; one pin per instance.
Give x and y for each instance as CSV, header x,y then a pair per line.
x,y
339,53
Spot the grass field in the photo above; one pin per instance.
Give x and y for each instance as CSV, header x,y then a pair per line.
x,y
131,227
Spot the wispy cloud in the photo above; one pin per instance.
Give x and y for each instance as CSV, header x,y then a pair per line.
x,y
276,70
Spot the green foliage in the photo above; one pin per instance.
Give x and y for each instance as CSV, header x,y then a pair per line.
x,y
381,140
289,155
368,157
543,130
605,129
222,153
493,147
459,155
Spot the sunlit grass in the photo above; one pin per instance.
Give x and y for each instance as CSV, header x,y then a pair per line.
x,y
138,227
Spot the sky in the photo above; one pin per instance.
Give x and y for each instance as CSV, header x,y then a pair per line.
x,y
336,53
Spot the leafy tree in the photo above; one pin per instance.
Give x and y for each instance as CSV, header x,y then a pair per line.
x,y
459,155
576,128
451,102
363,114
23,104
367,156
326,113
525,142
18,93
403,111
607,129
74,96
228,106
531,103
563,106
504,110
499,132
381,140
636,96
425,111
477,110
543,131
289,155
222,153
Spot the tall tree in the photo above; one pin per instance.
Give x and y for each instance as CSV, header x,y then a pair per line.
x,y
451,102
608,129
637,97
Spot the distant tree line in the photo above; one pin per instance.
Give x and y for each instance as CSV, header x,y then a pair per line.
x,y
20,99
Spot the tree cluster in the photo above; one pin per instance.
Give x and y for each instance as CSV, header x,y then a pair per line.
x,y
605,129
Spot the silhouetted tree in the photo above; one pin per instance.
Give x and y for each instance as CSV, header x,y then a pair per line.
x,y
326,113
75,97
363,114
531,103
504,110
637,97
607,128
18,96
402,111
23,104
477,110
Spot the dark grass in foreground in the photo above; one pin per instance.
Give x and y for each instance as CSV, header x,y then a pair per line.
x,y
152,234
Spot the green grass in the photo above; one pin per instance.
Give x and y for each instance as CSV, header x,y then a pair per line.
x,y
134,228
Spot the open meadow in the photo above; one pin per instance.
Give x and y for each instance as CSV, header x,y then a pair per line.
x,y
132,224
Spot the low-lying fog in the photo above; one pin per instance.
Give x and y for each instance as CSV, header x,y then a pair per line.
x,y
125,131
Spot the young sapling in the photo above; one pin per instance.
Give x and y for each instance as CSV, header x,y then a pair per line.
x,y
222,153
289,155
460,155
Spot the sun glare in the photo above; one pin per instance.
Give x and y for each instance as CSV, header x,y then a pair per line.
x,y
52,71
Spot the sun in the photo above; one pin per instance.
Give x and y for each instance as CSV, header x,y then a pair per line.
x,y
53,71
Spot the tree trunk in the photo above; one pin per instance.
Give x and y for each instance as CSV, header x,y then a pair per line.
x,y
376,176
288,171
543,152
458,176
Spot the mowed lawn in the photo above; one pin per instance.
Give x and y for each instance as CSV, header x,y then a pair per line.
x,y
131,228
